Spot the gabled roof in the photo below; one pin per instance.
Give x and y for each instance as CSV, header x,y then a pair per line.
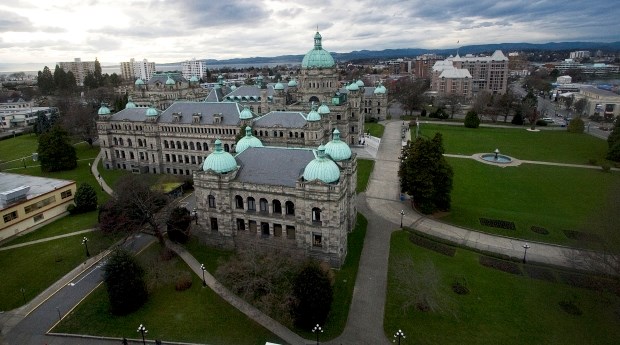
x,y
455,74
163,77
216,95
228,110
130,114
275,166
286,119
248,93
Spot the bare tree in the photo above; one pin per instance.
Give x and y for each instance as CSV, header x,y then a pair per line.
x,y
454,102
580,106
483,105
506,103
410,93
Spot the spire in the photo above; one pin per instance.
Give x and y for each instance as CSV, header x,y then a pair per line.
x,y
317,40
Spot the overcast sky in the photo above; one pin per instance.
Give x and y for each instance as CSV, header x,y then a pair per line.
x,y
47,31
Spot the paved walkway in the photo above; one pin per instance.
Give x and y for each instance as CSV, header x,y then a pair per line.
x,y
47,239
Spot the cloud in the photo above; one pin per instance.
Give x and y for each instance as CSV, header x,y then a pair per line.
x,y
10,21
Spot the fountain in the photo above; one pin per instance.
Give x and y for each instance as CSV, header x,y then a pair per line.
x,y
495,157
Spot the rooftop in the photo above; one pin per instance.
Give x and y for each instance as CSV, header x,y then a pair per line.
x,y
38,185
275,166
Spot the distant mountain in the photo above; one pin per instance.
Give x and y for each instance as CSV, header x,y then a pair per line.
x,y
412,52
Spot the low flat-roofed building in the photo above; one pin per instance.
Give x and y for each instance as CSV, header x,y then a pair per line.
x,y
601,102
30,201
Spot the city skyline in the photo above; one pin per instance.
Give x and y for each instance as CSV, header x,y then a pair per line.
x,y
164,31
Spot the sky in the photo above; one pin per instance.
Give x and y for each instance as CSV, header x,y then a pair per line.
x,y
163,31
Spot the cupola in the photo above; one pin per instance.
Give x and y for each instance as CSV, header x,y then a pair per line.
x,y
337,149
321,168
219,160
248,141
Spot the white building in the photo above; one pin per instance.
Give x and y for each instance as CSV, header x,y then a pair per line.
x,y
580,54
132,70
194,68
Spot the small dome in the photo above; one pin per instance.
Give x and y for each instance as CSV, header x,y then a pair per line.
x,y
353,87
260,77
318,57
359,83
323,109
292,83
139,82
130,104
278,86
193,79
380,89
219,160
103,110
337,149
169,81
322,168
245,114
233,88
313,115
248,141
150,111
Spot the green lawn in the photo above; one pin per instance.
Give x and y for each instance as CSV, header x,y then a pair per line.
x,y
37,266
195,315
546,196
375,129
501,308
111,176
65,225
17,148
546,145
364,169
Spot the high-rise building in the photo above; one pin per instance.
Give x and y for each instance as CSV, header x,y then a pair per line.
x,y
194,68
79,69
137,70
487,73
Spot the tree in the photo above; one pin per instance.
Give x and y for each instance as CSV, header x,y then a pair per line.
x,y
178,224
568,101
613,142
482,103
55,151
472,120
453,101
576,125
42,123
580,106
90,81
45,81
506,102
115,80
426,175
410,93
312,289
124,281
517,119
134,204
85,198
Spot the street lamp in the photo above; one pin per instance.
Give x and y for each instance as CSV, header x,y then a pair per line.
x,y
526,247
23,291
318,330
100,183
85,243
195,215
399,335
202,267
143,331
402,214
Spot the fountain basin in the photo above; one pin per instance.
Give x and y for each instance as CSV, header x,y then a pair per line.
x,y
496,158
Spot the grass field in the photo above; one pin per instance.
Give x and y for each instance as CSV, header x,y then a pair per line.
x,y
35,267
375,129
501,308
550,146
364,169
194,315
555,198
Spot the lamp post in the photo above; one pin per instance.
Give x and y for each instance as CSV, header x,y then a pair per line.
x,y
402,214
318,330
195,215
526,247
23,291
85,243
100,183
398,335
143,331
202,267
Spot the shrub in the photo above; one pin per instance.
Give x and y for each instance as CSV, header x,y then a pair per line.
x,y
459,286
539,230
592,161
85,198
472,120
497,223
605,167
432,245
423,113
539,273
124,281
582,236
614,152
502,265
570,307
313,291
71,209
576,126
184,281
517,119
541,123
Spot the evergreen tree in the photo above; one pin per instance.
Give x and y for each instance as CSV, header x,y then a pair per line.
x,y
472,120
613,141
517,119
85,198
45,81
55,151
97,74
124,281
90,81
576,125
313,292
42,123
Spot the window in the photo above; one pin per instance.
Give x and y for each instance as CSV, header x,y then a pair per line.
x,y
317,240
277,206
38,217
277,230
316,214
211,199
252,224
10,216
240,224
264,229
251,204
39,204
290,208
263,205
290,232
65,194
213,224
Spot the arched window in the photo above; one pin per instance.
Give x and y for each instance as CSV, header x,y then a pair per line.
x,y
178,145
211,199
302,135
115,141
296,135
205,147
226,148
120,141
316,214
198,146
290,208
128,142
171,144
277,206
185,145
263,205
239,202
191,145
251,204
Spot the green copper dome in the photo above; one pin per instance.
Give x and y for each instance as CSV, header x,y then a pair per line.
x,y
139,82
219,160
292,83
337,149
150,111
380,89
245,114
233,88
248,141
318,57
278,86
359,83
323,109
322,168
353,87
103,110
169,81
313,115
193,79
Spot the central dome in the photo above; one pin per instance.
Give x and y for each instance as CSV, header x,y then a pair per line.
x,y
318,57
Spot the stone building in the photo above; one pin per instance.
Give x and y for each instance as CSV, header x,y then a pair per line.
x,y
163,89
487,73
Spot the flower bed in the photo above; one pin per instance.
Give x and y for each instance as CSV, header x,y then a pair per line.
x,y
497,223
502,265
432,245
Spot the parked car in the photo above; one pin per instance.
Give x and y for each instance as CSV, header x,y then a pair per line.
x,y
548,120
